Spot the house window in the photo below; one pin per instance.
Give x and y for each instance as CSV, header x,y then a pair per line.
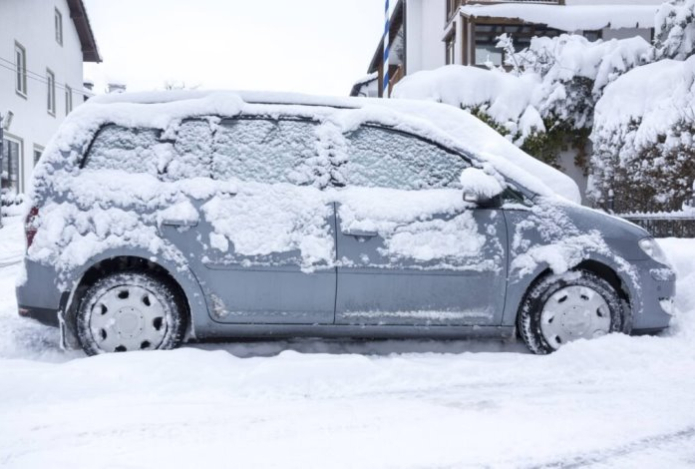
x,y
593,36
10,166
488,54
487,37
20,55
38,151
451,7
59,27
68,100
51,95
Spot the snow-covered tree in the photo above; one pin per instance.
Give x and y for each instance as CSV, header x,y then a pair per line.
x,y
644,139
675,30
644,130
544,99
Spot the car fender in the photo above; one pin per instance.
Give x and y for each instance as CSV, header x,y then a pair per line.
x,y
518,287
183,275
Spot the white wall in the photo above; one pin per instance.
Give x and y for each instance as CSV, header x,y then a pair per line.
x,y
626,33
425,22
31,23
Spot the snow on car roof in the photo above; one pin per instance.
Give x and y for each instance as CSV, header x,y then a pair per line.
x,y
439,123
571,17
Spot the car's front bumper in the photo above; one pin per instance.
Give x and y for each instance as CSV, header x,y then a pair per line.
x,y
657,292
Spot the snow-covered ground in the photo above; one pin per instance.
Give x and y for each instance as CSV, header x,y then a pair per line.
x,y
614,402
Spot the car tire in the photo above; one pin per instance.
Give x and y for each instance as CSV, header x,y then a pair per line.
x,y
129,311
561,309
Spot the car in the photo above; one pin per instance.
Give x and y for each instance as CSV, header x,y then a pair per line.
x,y
161,218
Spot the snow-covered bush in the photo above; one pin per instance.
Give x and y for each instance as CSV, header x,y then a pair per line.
x,y
643,139
675,30
544,99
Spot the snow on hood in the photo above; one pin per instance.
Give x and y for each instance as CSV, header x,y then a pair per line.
x,y
437,122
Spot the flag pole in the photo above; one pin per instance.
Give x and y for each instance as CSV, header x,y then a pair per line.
x,y
387,30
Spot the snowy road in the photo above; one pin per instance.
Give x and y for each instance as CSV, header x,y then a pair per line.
x,y
612,403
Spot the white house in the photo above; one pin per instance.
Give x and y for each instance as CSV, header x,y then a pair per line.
x,y
428,34
43,45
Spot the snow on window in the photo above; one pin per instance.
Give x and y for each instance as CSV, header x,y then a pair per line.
x,y
191,155
264,150
119,148
263,219
391,159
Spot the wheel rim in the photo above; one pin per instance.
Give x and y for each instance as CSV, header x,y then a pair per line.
x,y
573,313
127,318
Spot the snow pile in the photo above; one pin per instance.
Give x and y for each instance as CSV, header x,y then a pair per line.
x,y
481,183
643,137
555,80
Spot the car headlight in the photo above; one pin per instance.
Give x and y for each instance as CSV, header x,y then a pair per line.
x,y
653,250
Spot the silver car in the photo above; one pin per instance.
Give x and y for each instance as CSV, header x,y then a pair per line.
x,y
158,219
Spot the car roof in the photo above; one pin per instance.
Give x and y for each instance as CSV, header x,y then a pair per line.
x,y
442,124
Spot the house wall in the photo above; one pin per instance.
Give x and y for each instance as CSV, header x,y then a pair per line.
x,y
568,166
31,23
626,33
425,22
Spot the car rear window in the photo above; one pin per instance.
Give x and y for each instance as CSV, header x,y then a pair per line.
x,y
387,158
130,150
265,150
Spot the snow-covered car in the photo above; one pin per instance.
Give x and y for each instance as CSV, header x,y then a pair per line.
x,y
159,218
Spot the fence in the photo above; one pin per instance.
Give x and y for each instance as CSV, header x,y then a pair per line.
x,y
665,225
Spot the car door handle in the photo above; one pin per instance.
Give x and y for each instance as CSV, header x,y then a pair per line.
x,y
178,223
361,233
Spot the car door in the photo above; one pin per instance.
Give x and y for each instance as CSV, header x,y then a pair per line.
x,y
263,245
410,250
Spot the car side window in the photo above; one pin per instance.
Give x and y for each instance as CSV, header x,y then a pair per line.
x,y
191,154
130,150
386,158
265,150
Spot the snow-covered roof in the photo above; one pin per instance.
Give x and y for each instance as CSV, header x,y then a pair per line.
x,y
571,17
439,123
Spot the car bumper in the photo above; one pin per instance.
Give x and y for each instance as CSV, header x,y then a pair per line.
x,y
38,298
49,317
657,291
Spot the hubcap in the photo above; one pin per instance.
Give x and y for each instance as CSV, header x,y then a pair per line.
x,y
128,318
574,313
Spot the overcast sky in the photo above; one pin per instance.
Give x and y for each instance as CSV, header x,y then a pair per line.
x,y
312,46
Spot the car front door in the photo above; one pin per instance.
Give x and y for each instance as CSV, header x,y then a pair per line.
x,y
263,245
410,250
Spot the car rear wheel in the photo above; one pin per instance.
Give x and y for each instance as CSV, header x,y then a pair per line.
x,y
577,305
129,311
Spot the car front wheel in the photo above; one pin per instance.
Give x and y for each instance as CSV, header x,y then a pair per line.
x,y
577,305
129,311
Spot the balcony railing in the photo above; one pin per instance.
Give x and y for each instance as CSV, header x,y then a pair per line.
x,y
453,5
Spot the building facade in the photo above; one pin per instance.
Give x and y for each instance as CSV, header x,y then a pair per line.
x,y
43,45
428,34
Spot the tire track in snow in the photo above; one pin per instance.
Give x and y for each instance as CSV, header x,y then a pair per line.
x,y
604,456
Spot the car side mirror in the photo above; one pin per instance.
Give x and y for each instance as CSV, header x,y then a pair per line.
x,y
480,188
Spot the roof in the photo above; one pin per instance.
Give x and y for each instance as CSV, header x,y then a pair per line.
x,y
357,86
570,17
443,124
78,13
396,22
